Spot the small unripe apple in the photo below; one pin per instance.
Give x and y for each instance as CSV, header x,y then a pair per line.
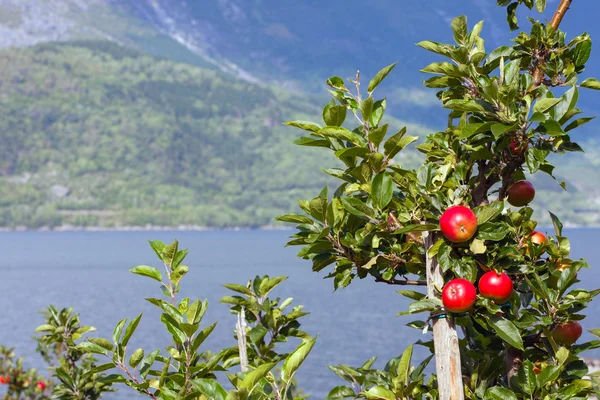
x,y
521,193
459,295
458,224
567,333
496,287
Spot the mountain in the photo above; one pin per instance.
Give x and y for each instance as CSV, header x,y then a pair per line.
x,y
168,112
93,133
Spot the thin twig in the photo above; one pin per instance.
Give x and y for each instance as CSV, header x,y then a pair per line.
x,y
405,282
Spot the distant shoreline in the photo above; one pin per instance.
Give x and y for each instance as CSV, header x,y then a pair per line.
x,y
144,228
197,228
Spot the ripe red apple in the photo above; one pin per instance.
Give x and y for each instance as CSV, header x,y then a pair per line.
x,y
459,295
41,385
567,333
521,193
458,224
517,148
496,287
2,380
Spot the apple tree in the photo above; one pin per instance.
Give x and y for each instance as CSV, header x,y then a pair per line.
x,y
460,225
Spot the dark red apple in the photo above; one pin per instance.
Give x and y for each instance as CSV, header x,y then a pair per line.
x,y
459,295
496,287
458,224
517,148
521,193
567,333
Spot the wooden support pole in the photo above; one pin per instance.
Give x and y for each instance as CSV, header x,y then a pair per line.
x,y
445,338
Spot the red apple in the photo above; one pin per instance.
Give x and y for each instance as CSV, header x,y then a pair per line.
x,y
459,295
2,380
458,224
538,238
521,193
567,333
517,148
496,287
41,385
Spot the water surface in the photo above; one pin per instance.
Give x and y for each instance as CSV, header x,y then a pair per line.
x,y
89,271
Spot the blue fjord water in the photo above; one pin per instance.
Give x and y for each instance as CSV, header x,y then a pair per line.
x,y
89,271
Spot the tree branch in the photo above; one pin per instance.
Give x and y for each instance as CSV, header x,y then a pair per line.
x,y
563,7
404,282
513,357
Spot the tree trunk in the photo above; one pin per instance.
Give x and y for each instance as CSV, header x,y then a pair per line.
x,y
445,338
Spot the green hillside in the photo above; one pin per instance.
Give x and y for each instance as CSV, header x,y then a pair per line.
x,y
95,134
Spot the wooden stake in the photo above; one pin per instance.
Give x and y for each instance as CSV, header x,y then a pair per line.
x,y
241,337
445,338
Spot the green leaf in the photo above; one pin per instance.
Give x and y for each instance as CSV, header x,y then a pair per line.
x,y
269,284
312,142
202,335
591,83
382,190
460,30
146,270
549,374
478,246
130,329
577,123
337,132
334,115
366,108
380,77
158,247
170,253
257,333
499,393
104,343
527,378
376,135
507,331
147,363
337,83
253,377
89,347
295,359
558,226
380,393
543,105
540,5
98,369
210,388
340,392
239,288
492,231
304,125
397,142
45,328
118,330
404,365
489,212
136,358
411,294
